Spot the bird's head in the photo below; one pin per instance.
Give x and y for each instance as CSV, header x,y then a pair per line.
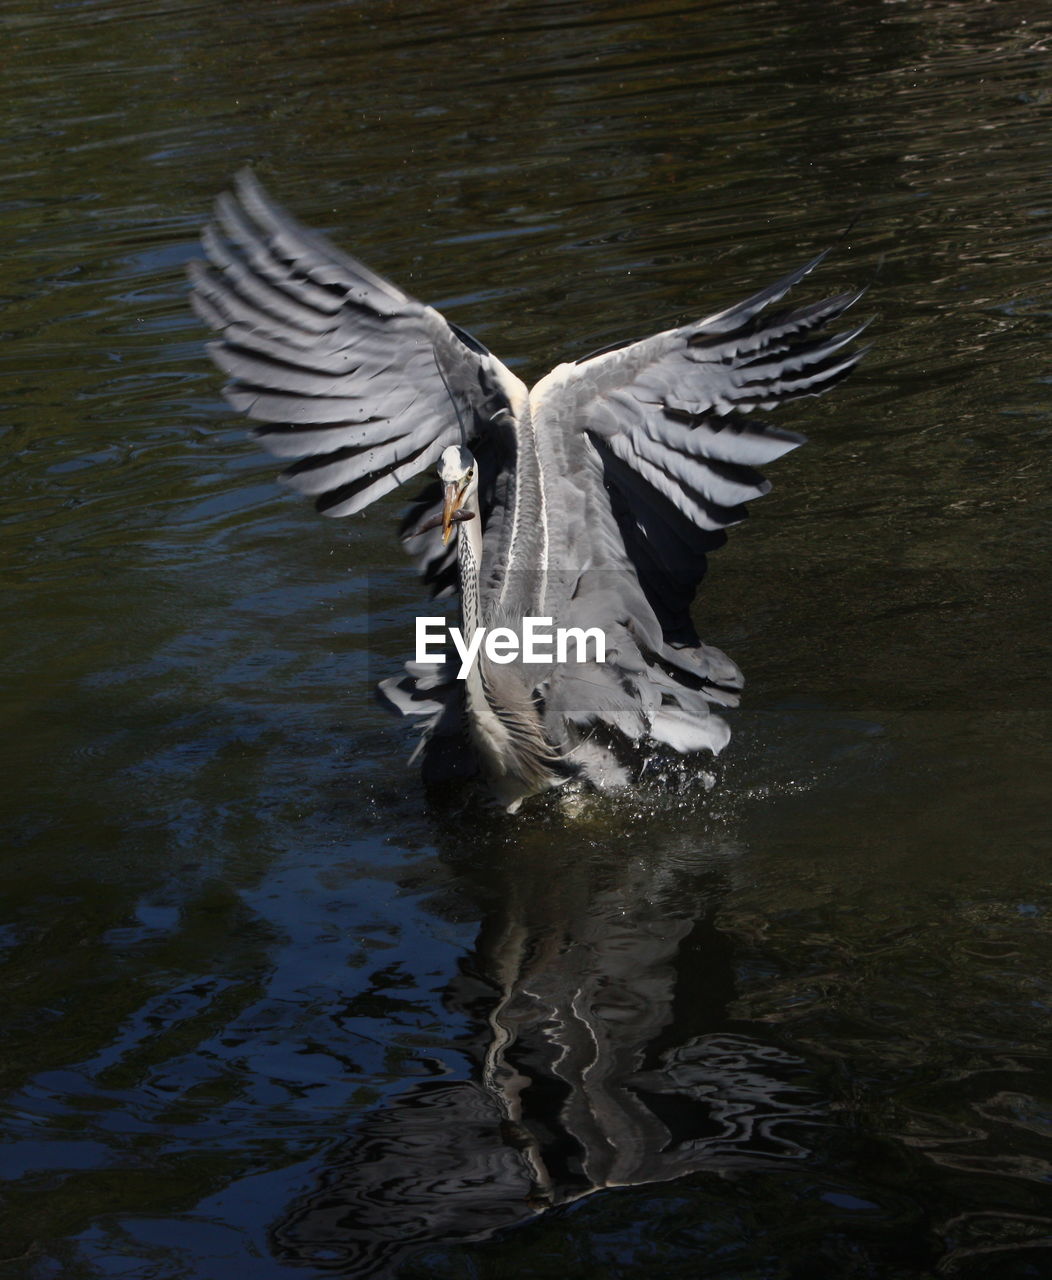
x,y
456,470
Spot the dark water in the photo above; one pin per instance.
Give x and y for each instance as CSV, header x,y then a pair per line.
x,y
268,1011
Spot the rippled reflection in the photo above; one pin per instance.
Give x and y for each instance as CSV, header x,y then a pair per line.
x,y
581,1081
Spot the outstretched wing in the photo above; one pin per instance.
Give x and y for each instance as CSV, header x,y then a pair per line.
x,y
668,416
359,385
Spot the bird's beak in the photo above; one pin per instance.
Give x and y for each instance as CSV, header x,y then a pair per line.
x,y
453,496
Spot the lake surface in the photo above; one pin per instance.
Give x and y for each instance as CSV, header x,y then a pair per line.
x,y
271,1011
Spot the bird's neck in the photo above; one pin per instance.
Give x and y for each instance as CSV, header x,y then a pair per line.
x,y
469,564
482,720
503,722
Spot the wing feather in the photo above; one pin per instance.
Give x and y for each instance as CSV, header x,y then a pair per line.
x,y
357,384
672,418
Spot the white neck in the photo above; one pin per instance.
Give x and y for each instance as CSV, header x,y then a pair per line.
x,y
486,730
502,720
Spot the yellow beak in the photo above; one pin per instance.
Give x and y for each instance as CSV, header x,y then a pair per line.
x,y
453,496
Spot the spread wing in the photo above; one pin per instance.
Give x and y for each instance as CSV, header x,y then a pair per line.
x,y
671,419
357,384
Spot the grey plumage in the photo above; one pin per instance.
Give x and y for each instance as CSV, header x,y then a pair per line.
x,y
598,493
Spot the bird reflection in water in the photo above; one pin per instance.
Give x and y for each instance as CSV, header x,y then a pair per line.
x,y
604,1056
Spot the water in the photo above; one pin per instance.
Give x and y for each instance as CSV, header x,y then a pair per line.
x,y
269,1010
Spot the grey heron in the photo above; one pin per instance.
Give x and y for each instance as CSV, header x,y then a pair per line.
x,y
590,500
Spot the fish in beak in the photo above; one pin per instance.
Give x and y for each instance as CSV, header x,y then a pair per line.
x,y
452,496
457,517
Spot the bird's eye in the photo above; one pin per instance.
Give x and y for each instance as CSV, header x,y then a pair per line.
x,y
471,472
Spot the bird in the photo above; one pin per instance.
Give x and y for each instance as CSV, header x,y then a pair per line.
x,y
589,501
